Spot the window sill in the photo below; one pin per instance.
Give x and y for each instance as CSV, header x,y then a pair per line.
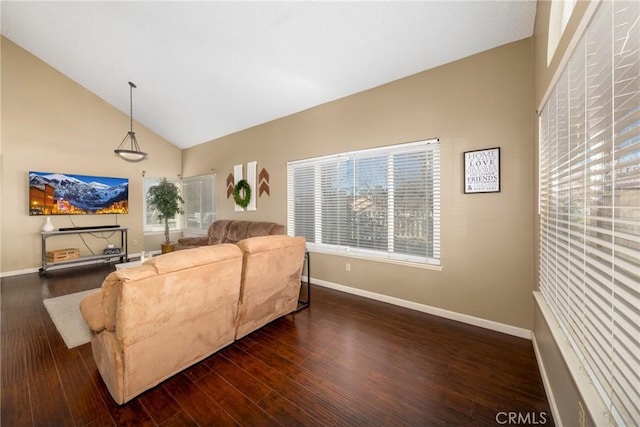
x,y
597,409
413,264
157,233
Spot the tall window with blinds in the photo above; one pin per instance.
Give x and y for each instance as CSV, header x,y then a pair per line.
x,y
589,190
381,203
199,203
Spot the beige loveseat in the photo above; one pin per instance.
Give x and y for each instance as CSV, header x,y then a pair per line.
x,y
150,322
231,231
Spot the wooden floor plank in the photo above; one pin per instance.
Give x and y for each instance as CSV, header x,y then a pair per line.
x,y
239,378
200,407
313,401
350,398
240,407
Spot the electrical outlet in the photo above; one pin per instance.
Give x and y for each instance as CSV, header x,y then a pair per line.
x,y
347,267
581,415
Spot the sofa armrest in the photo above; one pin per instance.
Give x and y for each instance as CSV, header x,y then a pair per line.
x,y
91,309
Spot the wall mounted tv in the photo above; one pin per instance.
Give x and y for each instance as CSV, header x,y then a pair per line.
x,y
69,194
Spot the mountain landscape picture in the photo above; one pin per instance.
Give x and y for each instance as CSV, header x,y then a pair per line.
x,y
68,194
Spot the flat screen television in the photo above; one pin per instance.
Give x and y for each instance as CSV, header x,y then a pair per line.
x,y
69,194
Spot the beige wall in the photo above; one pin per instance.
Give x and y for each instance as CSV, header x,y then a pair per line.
x,y
50,123
487,239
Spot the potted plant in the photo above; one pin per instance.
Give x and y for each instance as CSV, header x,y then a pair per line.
x,y
165,199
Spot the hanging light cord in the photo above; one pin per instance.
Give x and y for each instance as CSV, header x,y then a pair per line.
x,y
131,86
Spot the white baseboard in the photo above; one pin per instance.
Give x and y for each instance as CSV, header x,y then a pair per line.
x,y
53,268
452,315
19,272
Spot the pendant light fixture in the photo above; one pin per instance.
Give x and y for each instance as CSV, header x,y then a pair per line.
x,y
133,153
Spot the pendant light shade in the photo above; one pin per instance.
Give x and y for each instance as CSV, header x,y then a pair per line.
x,y
130,151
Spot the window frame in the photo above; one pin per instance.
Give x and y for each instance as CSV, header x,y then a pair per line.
x,y
432,149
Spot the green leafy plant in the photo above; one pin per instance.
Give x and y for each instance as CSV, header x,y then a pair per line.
x,y
166,200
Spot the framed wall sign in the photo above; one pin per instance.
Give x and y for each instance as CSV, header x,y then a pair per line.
x,y
482,171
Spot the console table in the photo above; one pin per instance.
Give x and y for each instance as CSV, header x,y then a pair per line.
x,y
123,255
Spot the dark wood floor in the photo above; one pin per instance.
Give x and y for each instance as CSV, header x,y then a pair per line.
x,y
345,361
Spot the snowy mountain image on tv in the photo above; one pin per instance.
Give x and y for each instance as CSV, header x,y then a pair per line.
x,y
67,194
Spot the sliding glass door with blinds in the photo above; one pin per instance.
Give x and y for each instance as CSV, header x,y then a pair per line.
x,y
199,207
589,189
199,203
381,203
151,223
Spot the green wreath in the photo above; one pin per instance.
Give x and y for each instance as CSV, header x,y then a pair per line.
x,y
242,185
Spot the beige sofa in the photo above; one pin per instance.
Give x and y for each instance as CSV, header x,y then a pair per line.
x,y
150,322
231,231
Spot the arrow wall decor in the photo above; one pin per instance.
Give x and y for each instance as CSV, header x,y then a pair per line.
x,y
230,185
263,183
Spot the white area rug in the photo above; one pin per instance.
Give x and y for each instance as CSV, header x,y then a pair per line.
x,y
65,313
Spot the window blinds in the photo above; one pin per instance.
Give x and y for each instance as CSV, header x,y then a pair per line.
x,y
589,191
199,202
378,203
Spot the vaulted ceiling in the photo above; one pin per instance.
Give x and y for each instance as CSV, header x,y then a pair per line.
x,y
207,69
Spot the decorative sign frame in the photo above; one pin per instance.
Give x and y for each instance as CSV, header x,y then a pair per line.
x,y
482,171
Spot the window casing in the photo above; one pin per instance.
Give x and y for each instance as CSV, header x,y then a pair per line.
x,y
589,205
381,203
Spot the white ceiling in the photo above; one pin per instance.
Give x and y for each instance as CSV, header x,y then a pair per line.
x,y
207,69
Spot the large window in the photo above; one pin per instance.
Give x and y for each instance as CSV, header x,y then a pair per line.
x,y
589,269
382,203
199,209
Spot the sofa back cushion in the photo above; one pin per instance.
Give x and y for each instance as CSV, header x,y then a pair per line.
x,y
260,228
271,273
237,231
231,231
170,290
218,231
